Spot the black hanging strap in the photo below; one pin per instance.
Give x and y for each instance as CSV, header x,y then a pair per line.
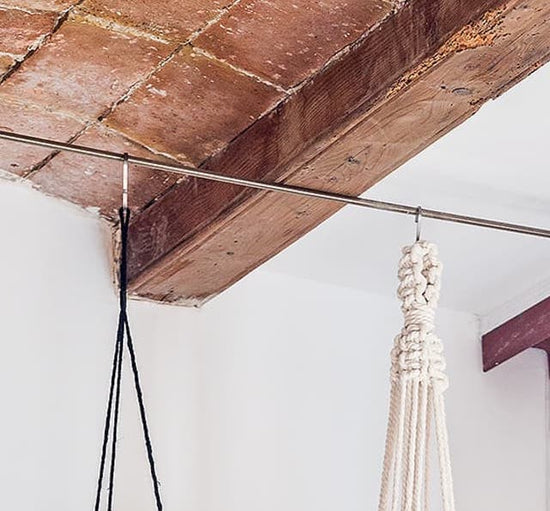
x,y
114,373
113,403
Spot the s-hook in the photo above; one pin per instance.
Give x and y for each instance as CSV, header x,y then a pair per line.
x,y
125,176
418,221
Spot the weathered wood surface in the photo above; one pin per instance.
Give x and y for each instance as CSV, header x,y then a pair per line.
x,y
423,70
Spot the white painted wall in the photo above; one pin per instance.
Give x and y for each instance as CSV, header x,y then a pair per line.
x,y
272,397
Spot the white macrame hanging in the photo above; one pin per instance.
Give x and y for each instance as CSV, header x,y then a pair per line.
x,y
418,382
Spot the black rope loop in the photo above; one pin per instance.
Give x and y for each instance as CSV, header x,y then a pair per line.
x,y
113,402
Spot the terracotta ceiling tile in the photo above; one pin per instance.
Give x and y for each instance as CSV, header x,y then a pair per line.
x,y
40,5
19,30
193,107
175,20
285,41
35,121
97,183
83,69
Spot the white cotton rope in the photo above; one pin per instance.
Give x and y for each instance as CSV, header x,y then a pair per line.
x,y
418,381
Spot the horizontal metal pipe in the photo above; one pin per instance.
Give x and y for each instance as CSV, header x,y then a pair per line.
x,y
276,187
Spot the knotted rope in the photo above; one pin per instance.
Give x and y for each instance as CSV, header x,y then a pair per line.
x,y
418,381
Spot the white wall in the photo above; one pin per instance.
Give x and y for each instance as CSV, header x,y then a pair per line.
x,y
272,397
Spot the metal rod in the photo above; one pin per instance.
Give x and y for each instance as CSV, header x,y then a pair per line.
x,y
275,187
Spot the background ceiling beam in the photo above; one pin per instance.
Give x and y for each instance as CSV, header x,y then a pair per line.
x,y
530,329
424,69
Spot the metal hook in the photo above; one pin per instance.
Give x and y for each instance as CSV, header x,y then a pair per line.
x,y
125,177
417,220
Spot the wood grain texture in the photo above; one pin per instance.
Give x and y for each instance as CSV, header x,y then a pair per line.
x,y
530,329
422,71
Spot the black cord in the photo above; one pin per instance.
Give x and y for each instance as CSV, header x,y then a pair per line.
x,y
120,344
145,427
114,371
113,404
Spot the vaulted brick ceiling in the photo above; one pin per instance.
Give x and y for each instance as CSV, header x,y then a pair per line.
x,y
178,79
261,88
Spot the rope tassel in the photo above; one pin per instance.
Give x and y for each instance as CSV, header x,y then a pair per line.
x,y
418,381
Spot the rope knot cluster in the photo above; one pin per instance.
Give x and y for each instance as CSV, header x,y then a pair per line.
x,y
418,382
418,352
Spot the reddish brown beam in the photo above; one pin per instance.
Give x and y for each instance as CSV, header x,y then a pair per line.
x,y
530,329
423,70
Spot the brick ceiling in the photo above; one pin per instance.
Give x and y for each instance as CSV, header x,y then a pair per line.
x,y
175,80
328,94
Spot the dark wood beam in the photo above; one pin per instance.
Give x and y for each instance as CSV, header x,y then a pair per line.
x,y
530,329
423,70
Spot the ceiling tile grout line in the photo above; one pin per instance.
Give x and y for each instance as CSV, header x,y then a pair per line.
x,y
281,188
62,17
237,69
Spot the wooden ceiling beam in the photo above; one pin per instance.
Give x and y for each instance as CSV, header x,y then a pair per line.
x,y
530,329
424,69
